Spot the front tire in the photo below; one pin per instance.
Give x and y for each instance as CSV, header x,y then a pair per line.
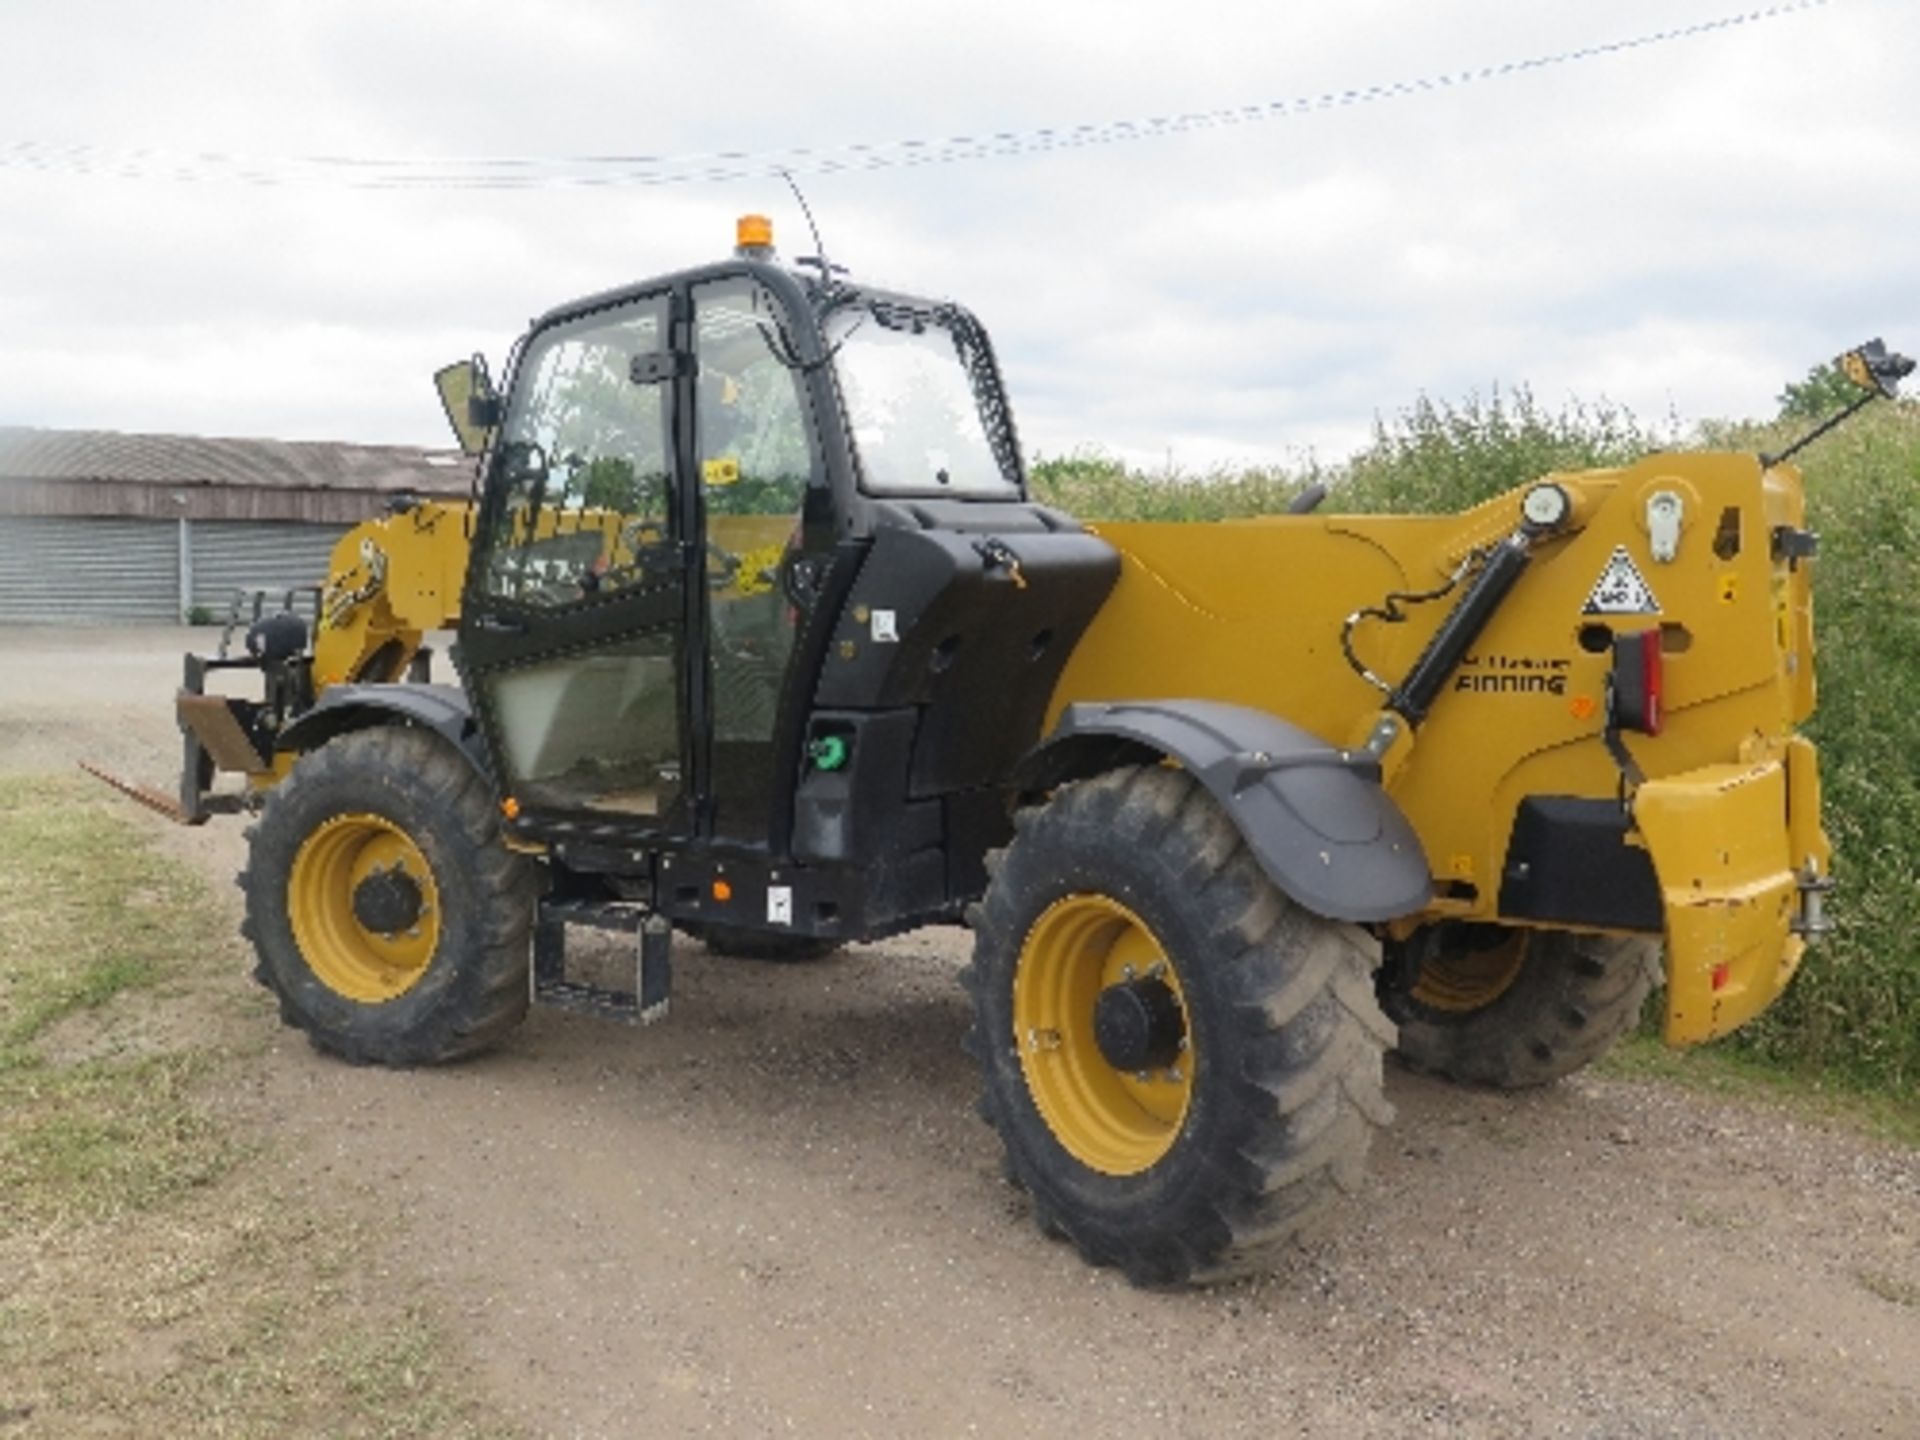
x,y
387,915
1183,1066
1512,1008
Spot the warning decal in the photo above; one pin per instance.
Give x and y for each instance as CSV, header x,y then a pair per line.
x,y
1621,589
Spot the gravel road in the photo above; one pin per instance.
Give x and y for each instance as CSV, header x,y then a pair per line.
x,y
776,1213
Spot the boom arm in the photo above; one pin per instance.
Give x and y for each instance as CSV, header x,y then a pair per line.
x,y
390,581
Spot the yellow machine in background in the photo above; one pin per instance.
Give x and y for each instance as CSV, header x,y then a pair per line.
x,y
389,583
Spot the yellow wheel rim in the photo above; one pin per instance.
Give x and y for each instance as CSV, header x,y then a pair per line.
x,y
351,959
1460,980
1117,1122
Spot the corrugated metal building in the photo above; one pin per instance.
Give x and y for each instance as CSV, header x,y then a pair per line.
x,y
107,528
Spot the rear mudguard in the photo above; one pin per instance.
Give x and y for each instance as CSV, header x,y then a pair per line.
x,y
1313,815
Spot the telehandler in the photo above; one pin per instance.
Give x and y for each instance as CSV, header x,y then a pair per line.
x,y
761,636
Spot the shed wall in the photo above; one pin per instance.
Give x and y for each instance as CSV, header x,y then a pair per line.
x,y
67,570
55,570
230,555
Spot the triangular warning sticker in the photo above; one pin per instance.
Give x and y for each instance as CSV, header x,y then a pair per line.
x,y
1621,589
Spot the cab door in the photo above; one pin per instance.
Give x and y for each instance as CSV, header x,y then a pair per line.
x,y
574,629
764,508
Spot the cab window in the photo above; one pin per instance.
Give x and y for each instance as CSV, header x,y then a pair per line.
x,y
587,465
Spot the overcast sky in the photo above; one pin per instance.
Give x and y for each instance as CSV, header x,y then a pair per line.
x,y
1681,227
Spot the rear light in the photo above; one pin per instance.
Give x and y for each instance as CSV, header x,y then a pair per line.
x,y
1638,685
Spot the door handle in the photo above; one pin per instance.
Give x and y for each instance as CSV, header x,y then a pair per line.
x,y
500,624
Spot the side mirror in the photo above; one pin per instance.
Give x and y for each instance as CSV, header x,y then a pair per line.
x,y
1872,367
471,403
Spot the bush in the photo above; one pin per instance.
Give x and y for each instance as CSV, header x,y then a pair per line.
x,y
1437,457
1433,456
1097,487
1824,391
1855,1007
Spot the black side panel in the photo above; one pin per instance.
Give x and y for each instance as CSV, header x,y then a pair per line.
x,y
977,821
843,815
972,630
1568,861
1314,816
859,813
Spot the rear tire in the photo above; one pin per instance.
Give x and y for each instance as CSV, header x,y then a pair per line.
x,y
387,915
1250,1118
1515,1008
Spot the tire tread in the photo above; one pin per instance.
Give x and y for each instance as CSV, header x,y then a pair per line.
x,y
486,945
1575,998
1298,1088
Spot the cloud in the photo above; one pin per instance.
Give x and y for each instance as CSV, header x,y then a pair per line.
x,y
1686,226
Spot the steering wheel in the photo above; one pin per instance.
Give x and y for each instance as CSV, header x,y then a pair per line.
x,y
657,558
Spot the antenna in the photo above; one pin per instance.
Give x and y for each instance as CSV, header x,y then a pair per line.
x,y
820,246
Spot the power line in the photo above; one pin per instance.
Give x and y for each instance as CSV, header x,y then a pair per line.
x,y
536,173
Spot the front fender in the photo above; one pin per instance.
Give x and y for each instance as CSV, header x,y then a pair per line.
x,y
1313,815
442,709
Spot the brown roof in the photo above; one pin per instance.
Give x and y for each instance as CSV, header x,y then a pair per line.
x,y
103,472
28,454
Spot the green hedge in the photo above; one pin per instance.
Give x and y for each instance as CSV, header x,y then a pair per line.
x,y
1854,1012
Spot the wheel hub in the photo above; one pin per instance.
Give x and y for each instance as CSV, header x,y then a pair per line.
x,y
1461,969
364,907
1138,1025
1100,1023
387,901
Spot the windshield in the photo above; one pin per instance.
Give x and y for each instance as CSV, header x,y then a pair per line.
x,y
923,402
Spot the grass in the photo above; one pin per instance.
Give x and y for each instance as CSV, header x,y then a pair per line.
x,y
158,1279
1852,1017
100,929
1890,1288
1736,1070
